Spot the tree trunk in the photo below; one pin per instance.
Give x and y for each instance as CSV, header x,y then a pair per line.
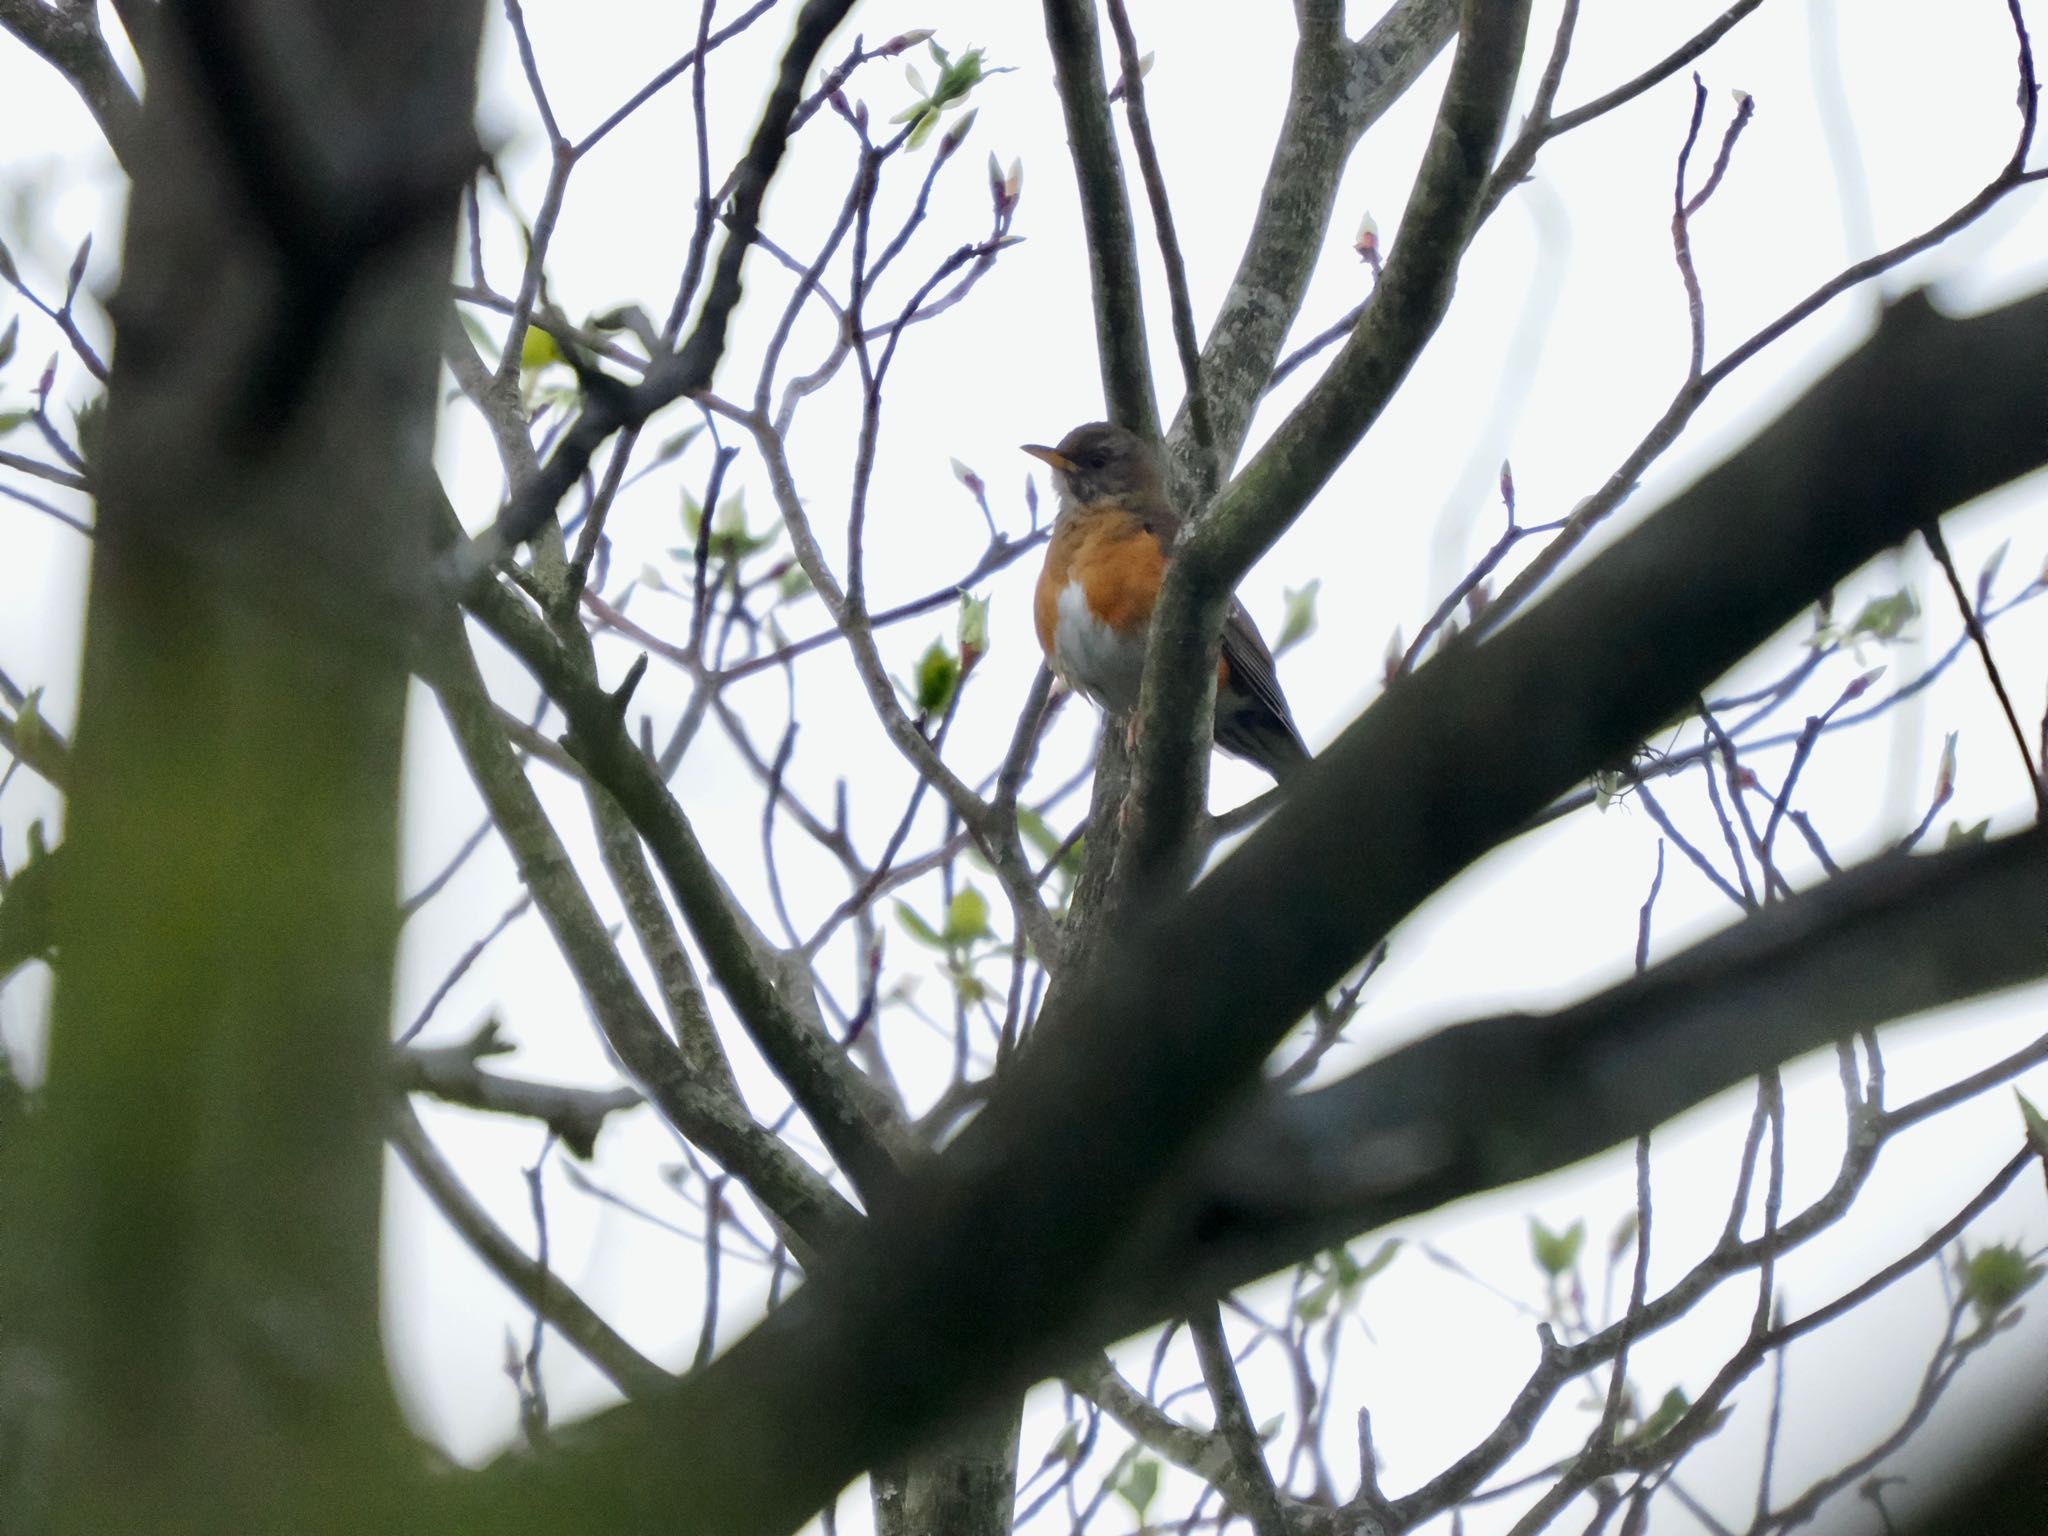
x,y
191,1278
965,1486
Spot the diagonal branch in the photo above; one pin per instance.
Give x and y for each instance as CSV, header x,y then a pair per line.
x,y
1501,1099
69,40
994,1266
533,1283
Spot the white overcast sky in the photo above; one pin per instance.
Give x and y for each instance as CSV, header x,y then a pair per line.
x,y
1566,338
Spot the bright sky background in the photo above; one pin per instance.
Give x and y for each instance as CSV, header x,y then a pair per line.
x,y
1566,338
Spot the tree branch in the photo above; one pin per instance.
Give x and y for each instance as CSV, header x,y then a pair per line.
x,y
540,1288
1076,45
975,1278
783,1183
68,39
1408,302
1497,1100
1339,90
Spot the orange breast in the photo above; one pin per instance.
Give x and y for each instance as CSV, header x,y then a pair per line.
x,y
1117,561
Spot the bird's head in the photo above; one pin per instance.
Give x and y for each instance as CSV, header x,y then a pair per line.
x,y
1101,462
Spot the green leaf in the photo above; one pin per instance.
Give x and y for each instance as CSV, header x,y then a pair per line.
x,y
938,674
7,271
1994,1278
672,447
537,349
918,928
1960,836
88,424
9,420
1556,1252
1623,1239
793,583
1137,1483
77,273
1300,622
1037,832
1670,1408
8,338
1382,1257
966,918
1066,1446
1885,618
2037,1127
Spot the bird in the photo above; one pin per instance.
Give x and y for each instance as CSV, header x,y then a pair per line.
x,y
1111,541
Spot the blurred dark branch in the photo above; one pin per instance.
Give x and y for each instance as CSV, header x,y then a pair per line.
x,y
455,1075
1893,937
972,1281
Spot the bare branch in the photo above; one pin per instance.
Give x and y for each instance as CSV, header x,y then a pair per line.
x,y
543,1291
1127,391
68,38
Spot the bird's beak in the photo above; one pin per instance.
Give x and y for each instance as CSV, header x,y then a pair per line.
x,y
1052,456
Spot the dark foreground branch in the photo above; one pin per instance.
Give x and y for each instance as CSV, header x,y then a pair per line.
x,y
997,1264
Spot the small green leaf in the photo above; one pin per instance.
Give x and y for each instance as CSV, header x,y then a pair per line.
x,y
1137,1483
938,674
537,349
918,928
9,420
1036,832
1989,573
8,338
966,918
1664,1418
1268,1428
1994,1278
1382,1257
1556,1252
793,583
1960,836
672,447
1066,1447
1300,621
1623,1239
77,273
88,424
7,271
2037,1126
1885,618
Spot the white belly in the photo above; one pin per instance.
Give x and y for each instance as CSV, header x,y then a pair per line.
x,y
1094,659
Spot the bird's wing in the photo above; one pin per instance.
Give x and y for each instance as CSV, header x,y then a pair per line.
x,y
1251,664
